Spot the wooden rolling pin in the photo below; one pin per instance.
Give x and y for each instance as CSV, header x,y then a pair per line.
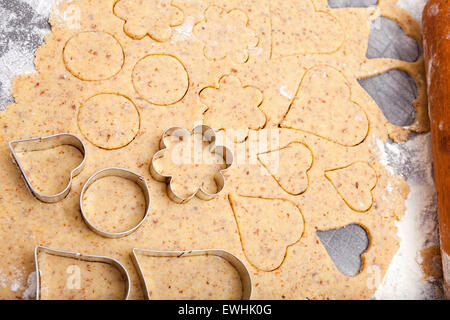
x,y
436,44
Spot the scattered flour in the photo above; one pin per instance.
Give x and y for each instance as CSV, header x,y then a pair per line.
x,y
184,31
412,159
22,31
15,286
3,280
418,229
30,291
284,91
414,7
13,278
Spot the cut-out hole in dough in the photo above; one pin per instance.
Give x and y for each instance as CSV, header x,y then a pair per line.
x,y
109,120
298,28
232,106
323,106
202,277
352,3
93,56
388,40
235,35
49,170
114,204
289,166
267,228
160,79
152,18
345,247
66,278
354,183
394,92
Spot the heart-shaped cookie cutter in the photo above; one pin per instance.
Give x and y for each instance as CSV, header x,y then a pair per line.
x,y
45,143
240,267
209,135
122,173
83,257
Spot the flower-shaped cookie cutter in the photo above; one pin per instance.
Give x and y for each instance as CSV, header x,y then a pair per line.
x,y
83,257
181,134
237,264
122,173
45,143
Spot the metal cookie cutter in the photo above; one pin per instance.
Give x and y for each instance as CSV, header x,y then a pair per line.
x,y
122,173
240,267
83,257
181,134
45,143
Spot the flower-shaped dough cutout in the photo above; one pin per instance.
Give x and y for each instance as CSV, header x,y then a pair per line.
x,y
154,18
298,28
191,164
324,107
233,106
354,183
235,34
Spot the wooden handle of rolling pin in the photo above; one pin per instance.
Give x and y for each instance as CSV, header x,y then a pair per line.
x,y
436,43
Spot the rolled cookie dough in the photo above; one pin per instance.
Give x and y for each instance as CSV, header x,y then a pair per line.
x,y
264,53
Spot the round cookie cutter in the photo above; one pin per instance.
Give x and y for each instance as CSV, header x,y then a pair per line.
x,y
208,134
83,257
122,173
45,143
240,267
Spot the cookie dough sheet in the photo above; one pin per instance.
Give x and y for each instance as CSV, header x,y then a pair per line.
x,y
280,90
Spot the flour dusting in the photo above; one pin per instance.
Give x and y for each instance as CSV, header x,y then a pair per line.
x,y
284,91
184,31
30,291
23,27
414,7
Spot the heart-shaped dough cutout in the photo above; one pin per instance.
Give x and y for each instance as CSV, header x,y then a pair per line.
x,y
354,183
323,107
345,247
289,166
267,228
298,28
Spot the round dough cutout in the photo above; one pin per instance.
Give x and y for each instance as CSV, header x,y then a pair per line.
x,y
93,56
160,79
114,204
109,120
